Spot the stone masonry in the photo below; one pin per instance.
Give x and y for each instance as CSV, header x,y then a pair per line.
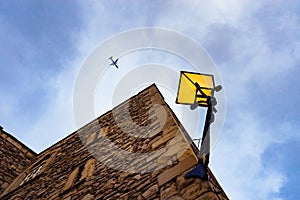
x,y
139,150
15,158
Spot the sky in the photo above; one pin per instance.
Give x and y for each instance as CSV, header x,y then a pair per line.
x,y
254,44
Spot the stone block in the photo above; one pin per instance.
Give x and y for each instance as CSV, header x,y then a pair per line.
x,y
72,178
176,170
169,191
150,191
163,140
88,197
91,138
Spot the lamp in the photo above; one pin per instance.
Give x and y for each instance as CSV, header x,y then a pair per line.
x,y
197,89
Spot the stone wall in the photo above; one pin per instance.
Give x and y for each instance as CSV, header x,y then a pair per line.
x,y
15,157
90,164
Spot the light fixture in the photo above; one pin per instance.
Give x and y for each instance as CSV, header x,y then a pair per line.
x,y
197,89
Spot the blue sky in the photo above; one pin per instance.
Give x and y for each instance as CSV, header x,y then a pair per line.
x,y
255,45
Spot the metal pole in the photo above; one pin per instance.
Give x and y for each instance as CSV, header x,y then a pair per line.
x,y
205,144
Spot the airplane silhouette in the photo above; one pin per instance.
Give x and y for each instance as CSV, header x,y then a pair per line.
x,y
114,62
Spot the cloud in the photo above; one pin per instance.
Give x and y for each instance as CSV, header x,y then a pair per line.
x,y
31,55
238,163
57,120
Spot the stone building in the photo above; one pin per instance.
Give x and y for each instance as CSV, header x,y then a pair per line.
x,y
144,156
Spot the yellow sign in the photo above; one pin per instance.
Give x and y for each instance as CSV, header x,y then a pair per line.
x,y
194,87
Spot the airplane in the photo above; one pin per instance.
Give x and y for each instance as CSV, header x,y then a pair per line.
x,y
114,62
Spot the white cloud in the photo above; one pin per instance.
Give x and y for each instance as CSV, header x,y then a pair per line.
x,y
237,159
57,121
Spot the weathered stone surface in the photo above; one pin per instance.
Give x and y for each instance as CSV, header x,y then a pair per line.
x,y
15,157
72,178
175,197
74,173
91,138
88,197
169,191
171,173
151,191
89,169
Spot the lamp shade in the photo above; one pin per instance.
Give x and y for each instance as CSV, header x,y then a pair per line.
x,y
194,88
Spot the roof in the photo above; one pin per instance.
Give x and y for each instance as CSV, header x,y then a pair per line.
x,y
138,150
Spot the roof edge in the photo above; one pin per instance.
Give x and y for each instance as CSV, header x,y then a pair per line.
x,y
196,151
102,115
17,143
